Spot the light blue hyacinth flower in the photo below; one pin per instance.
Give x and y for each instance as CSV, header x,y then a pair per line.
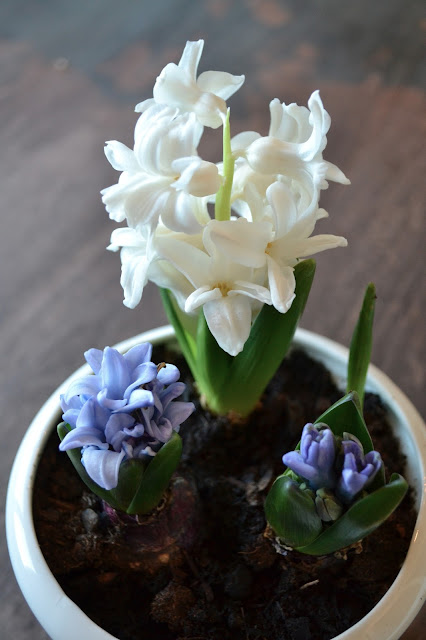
x,y
314,462
125,410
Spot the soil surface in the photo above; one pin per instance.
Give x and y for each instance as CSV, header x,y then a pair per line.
x,y
204,567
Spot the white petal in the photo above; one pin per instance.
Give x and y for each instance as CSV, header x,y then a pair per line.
x,y
198,177
222,84
319,243
178,213
282,285
201,296
191,57
243,140
333,173
176,87
251,290
229,320
121,157
283,206
133,275
193,263
238,240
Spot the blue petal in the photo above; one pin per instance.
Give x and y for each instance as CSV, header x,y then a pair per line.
x,y
92,415
139,398
137,355
108,403
114,373
94,359
143,374
173,391
117,422
88,385
70,416
168,374
178,412
83,437
162,432
103,466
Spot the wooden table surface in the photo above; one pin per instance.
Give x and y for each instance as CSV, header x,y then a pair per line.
x,y
70,75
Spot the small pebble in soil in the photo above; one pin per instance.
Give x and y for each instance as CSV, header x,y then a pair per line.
x,y
90,520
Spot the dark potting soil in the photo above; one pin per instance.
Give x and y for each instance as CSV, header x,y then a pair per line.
x,y
215,573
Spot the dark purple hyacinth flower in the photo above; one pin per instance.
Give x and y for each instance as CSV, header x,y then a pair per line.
x,y
315,460
358,470
126,410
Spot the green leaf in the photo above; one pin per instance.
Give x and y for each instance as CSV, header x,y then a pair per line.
x,y
185,339
75,457
157,477
213,364
269,340
360,520
291,513
345,415
360,350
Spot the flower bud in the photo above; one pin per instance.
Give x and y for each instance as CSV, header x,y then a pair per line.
x,y
327,505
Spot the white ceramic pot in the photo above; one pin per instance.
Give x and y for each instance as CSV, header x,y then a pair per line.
x,y
63,620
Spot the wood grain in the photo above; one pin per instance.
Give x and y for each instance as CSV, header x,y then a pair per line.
x,y
70,76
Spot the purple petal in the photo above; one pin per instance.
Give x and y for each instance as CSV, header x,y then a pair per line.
x,y
103,466
137,355
295,462
108,403
139,398
94,359
168,374
88,385
114,373
143,374
92,415
83,437
70,417
117,422
178,412
162,432
173,391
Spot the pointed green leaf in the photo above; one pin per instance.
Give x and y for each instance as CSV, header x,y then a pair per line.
x,y
360,350
346,415
269,340
213,364
360,520
291,513
157,477
185,339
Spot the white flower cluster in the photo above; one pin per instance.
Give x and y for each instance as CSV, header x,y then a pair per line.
x,y
229,267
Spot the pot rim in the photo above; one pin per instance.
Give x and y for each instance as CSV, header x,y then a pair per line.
x,y
55,610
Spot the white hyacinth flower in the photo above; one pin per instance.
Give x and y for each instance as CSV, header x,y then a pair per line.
x,y
227,290
291,153
162,175
288,239
141,262
178,86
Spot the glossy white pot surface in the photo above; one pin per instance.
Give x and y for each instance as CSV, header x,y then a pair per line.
x,y
63,620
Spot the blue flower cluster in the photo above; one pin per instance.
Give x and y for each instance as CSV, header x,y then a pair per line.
x,y
335,468
125,410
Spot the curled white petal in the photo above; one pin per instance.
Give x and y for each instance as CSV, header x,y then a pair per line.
x,y
229,321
